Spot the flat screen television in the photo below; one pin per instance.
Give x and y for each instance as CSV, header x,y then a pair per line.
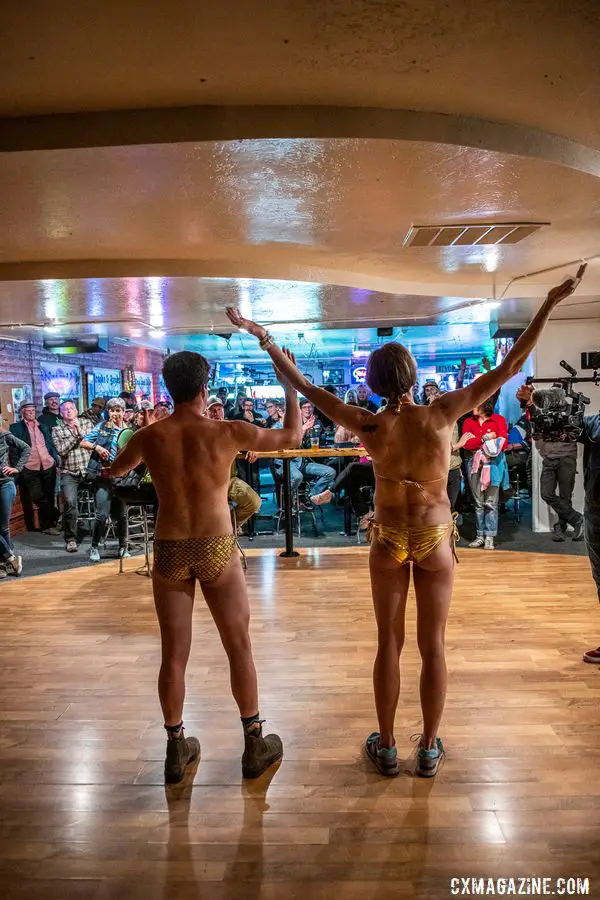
x,y
333,376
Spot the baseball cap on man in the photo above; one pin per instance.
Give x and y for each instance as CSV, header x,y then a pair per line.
x,y
51,394
99,401
214,401
25,404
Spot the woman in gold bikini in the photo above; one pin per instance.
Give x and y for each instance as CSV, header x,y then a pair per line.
x,y
410,449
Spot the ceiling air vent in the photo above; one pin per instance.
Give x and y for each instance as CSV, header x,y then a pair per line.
x,y
470,235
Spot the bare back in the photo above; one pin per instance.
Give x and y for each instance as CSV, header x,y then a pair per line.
x,y
410,450
189,458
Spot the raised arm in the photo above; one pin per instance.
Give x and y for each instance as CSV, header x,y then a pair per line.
x,y
352,417
289,436
456,403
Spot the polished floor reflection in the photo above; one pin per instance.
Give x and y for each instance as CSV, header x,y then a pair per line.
x,y
84,812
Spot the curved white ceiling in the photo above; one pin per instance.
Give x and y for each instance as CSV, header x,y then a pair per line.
x,y
534,64
497,105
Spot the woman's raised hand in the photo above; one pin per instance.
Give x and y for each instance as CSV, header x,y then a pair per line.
x,y
248,325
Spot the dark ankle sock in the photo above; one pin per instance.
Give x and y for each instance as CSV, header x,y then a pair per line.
x,y
174,731
248,722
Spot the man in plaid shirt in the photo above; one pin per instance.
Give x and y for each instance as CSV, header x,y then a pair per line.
x,y
67,436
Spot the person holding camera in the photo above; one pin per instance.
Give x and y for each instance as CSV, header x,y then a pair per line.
x,y
591,509
559,468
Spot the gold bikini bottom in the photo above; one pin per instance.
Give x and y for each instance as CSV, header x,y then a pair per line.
x,y
204,558
413,544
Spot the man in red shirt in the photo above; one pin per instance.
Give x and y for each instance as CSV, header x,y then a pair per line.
x,y
37,481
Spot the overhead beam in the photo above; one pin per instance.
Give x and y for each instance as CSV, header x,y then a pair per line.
x,y
228,123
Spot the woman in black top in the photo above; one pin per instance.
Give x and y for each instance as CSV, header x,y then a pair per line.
x,y
14,453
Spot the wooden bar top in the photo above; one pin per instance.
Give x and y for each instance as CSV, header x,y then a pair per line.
x,y
313,452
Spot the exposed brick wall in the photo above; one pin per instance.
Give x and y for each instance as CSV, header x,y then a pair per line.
x,y
20,363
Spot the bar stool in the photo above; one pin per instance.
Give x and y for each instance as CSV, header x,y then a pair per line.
x,y
140,534
86,508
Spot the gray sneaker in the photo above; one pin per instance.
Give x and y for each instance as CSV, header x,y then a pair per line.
x,y
71,546
181,753
3,572
428,761
260,752
385,759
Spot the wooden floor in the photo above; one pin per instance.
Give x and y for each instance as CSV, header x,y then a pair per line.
x,y
84,813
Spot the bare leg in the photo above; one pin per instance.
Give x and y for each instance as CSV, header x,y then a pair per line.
x,y
389,585
433,579
174,601
227,600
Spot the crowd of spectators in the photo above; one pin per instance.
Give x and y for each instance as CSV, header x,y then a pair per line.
x,y
52,456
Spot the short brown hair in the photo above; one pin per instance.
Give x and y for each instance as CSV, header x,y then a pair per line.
x,y
391,371
186,375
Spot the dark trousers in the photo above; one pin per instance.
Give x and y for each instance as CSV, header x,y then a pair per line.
x,y
38,487
107,504
453,487
560,473
69,487
591,515
354,477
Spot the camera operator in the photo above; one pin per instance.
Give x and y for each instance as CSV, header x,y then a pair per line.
x,y
559,467
591,484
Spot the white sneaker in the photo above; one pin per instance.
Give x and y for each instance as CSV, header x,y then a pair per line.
x,y
14,565
124,553
320,499
94,555
478,542
489,543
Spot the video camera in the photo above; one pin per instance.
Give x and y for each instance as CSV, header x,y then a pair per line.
x,y
558,413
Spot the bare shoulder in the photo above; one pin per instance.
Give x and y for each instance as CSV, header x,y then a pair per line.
x,y
367,422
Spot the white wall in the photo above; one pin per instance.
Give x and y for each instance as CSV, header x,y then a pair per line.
x,y
508,405
563,340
